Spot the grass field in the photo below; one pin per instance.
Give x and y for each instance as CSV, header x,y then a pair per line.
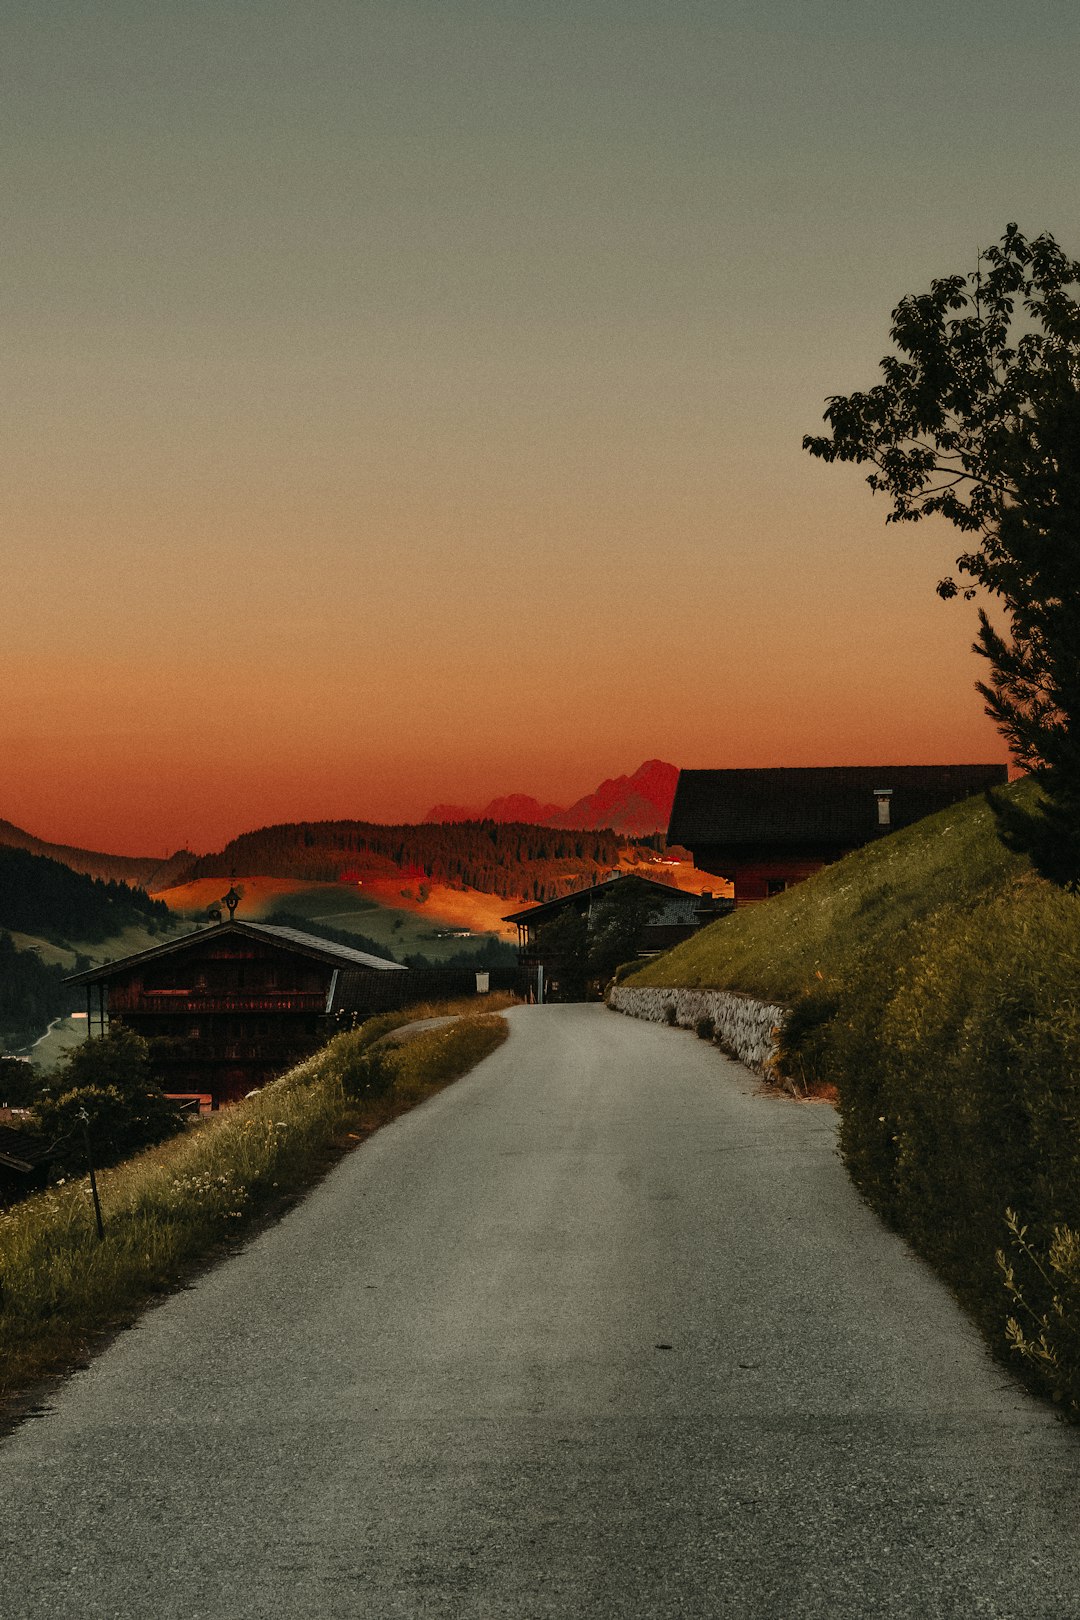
x,y
390,911
63,1035
400,922
837,925
125,943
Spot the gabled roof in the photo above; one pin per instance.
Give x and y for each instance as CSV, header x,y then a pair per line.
x,y
678,904
22,1150
290,939
810,806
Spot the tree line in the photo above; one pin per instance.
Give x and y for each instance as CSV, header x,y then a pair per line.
x,y
31,991
514,860
43,897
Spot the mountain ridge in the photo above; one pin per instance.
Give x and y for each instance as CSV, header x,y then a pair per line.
x,y
635,805
142,871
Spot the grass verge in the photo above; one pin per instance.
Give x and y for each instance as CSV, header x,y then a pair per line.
x,y
189,1200
935,979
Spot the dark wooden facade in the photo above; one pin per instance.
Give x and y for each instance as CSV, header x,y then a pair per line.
x,y
677,914
229,1007
765,830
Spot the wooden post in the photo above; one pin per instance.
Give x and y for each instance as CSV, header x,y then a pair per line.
x,y
93,1178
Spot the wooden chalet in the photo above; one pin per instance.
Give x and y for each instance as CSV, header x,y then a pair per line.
x,y
230,1006
676,915
764,830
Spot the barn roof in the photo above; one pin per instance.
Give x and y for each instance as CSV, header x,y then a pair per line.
x,y
677,905
809,806
292,939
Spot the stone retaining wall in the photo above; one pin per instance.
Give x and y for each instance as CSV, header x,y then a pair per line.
x,y
744,1026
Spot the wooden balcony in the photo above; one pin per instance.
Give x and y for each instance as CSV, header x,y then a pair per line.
x,y
187,1002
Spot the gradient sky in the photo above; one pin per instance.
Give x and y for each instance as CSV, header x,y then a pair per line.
x,y
403,402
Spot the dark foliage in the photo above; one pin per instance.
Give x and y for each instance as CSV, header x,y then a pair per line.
x,y
369,1075
510,859
111,1079
31,991
978,419
490,954
953,1046
19,1083
43,897
1047,832
805,1037
615,927
563,946
582,953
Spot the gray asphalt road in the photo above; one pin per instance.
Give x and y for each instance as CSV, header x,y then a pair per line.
x,y
598,1331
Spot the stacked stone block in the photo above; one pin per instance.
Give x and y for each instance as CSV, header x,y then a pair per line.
x,y
747,1028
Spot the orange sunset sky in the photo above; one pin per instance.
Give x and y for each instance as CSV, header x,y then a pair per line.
x,y
404,402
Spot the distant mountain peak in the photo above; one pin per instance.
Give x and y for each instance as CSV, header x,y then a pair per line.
x,y
634,805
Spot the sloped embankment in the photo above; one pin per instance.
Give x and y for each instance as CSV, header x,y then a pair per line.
x,y
166,1210
935,980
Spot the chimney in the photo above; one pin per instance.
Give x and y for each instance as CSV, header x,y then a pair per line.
x,y
883,797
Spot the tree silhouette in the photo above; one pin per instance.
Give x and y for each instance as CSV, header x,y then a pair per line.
x,y
977,419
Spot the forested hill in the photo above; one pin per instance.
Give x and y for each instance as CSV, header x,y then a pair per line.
x,y
46,898
148,872
511,859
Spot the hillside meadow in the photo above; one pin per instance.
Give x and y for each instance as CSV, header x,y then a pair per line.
x,y
188,1200
389,914
934,980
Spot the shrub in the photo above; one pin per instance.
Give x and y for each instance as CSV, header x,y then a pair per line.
x,y
705,1028
19,1084
804,1055
367,1073
117,1124
121,1059
108,1079
626,968
670,1014
1043,1290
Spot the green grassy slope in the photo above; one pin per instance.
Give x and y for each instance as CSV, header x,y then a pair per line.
x,y
934,979
823,930
399,932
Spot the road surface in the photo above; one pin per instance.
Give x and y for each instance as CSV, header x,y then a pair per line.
x,y
600,1331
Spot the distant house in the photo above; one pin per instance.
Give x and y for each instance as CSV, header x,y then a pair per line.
x,y
765,830
676,914
231,1005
